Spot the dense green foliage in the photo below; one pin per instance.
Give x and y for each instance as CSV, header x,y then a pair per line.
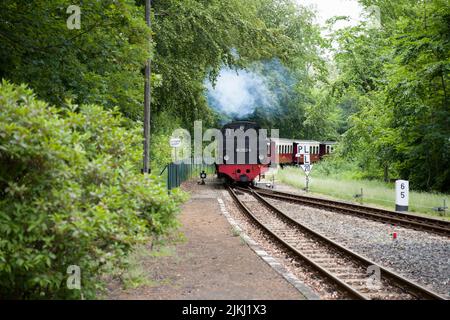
x,y
101,63
194,39
70,194
392,90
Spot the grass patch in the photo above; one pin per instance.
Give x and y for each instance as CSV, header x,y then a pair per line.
x,y
136,274
164,251
375,192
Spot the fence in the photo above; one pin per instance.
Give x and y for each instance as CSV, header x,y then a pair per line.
x,y
178,173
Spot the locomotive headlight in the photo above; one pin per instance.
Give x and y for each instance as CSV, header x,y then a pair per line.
x,y
226,157
261,157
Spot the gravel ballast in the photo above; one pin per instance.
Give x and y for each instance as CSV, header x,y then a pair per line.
x,y
419,256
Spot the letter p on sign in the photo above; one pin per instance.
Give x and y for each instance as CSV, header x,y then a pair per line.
x,y
401,195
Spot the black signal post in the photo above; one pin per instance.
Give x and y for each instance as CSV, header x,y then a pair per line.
x,y
147,96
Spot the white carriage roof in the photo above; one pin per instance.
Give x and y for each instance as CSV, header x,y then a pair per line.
x,y
307,141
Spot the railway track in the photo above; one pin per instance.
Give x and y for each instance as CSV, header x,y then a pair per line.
x,y
441,227
347,270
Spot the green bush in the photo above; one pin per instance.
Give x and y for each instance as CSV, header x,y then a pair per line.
x,y
71,193
337,167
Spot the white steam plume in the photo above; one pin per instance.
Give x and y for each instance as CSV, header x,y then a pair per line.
x,y
238,93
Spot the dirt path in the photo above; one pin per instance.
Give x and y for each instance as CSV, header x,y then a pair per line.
x,y
213,262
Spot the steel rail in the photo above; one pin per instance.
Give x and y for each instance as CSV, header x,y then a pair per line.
x,y
389,275
441,227
354,293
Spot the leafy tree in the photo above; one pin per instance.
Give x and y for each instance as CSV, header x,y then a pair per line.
x,y
100,63
392,86
295,76
196,38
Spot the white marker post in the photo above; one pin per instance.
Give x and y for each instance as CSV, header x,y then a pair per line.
x,y
401,195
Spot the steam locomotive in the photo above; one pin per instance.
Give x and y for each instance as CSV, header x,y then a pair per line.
x,y
247,152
